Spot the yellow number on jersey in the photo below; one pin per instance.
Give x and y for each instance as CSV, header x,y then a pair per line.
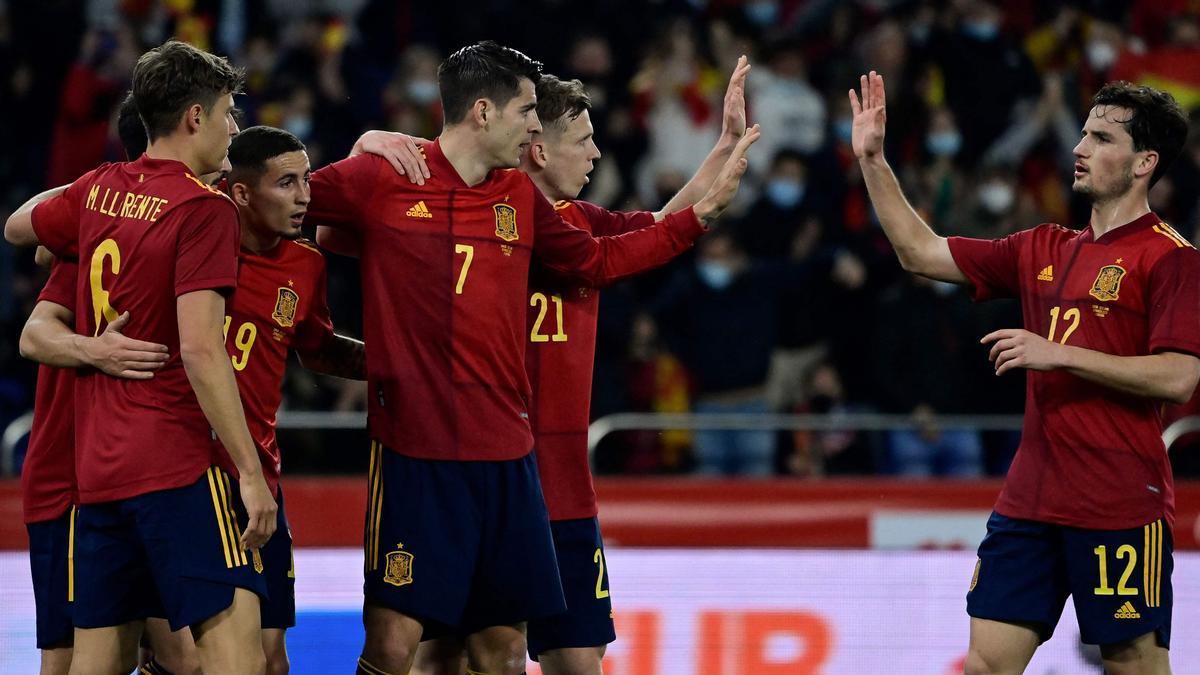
x,y
601,592
243,340
462,274
1071,315
101,306
540,301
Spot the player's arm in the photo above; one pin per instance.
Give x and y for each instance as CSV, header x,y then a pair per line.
x,y
341,356
201,316
1167,376
919,248
600,261
402,151
733,127
18,229
340,192
49,339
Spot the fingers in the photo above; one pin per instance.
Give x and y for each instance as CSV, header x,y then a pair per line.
x,y
1009,360
1001,346
131,345
748,139
865,87
135,375
117,325
855,106
999,335
877,84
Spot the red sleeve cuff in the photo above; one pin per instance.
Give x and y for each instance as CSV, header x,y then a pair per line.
x,y
685,223
220,284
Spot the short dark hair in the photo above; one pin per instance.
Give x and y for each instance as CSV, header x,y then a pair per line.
x,y
250,150
1157,123
170,78
560,101
130,129
482,70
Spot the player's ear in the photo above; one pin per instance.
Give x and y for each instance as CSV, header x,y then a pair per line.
x,y
193,116
537,152
239,193
480,110
1145,164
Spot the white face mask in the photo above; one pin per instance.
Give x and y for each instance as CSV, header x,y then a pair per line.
x,y
996,197
1101,54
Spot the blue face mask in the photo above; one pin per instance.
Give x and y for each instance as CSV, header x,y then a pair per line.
x,y
844,129
785,193
301,127
944,143
423,91
715,275
984,31
761,12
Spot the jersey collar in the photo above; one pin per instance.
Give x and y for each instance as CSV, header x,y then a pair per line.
x,y
441,167
1133,227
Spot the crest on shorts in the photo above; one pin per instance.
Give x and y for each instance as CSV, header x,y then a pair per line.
x,y
506,222
285,307
1108,283
975,576
398,571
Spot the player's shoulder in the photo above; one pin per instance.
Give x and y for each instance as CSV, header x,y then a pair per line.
x,y
305,252
1162,239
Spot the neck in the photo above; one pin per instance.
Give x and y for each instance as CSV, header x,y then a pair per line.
x,y
176,148
547,190
464,154
1109,215
258,242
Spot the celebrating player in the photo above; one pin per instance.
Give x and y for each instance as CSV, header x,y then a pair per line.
x,y
457,536
158,509
1111,331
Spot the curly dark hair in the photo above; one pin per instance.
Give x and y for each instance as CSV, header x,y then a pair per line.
x,y
171,77
1157,122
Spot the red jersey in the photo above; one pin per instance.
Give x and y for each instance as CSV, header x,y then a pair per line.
x,y
559,357
279,304
147,232
48,476
1091,456
445,270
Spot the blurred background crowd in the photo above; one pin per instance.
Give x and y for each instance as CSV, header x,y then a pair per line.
x,y
796,302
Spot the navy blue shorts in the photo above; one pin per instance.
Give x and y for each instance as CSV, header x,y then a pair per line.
x,y
1120,580
53,586
172,553
588,621
279,570
459,546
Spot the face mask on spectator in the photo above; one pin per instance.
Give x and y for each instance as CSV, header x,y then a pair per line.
x,y
1101,54
785,193
715,275
984,30
300,126
995,197
943,143
422,91
761,12
944,288
843,128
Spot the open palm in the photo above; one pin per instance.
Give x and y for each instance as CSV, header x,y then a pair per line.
x,y
870,116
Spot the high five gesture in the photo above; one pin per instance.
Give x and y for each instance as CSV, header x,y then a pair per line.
x,y
870,117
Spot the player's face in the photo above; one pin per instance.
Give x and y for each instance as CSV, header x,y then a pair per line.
x,y
214,178
570,157
215,132
1104,157
511,131
277,204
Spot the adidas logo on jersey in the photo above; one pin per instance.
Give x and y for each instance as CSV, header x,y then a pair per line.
x,y
1127,612
419,210
1046,274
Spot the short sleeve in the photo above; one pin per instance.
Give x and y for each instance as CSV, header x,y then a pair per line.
x,y
207,248
1173,303
60,286
316,330
342,191
990,265
56,220
606,223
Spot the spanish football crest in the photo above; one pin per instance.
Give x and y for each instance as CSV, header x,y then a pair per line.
x,y
506,222
399,568
1108,283
285,307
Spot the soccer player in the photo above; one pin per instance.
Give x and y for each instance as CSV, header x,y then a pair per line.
x,y
457,537
559,357
1111,331
158,509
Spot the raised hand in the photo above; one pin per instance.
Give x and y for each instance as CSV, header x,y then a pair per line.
x,y
115,354
724,188
870,117
402,151
733,121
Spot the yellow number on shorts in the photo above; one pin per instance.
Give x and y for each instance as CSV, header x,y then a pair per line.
x,y
1071,315
601,592
243,340
540,301
462,275
101,306
1124,551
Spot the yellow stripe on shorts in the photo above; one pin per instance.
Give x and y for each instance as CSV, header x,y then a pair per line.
x,y
237,528
71,559
216,499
